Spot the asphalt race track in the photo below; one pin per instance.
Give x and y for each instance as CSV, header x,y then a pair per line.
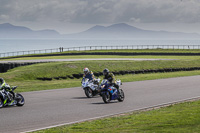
x,y
63,106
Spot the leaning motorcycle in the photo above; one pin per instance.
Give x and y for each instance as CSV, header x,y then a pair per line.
x,y
10,98
90,87
109,93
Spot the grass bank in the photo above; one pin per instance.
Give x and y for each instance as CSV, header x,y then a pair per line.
x,y
60,69
179,118
37,85
26,76
104,56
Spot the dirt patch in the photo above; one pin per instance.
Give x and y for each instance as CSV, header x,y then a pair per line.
x,y
70,66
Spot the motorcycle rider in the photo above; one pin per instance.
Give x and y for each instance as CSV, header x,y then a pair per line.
x,y
88,74
111,78
5,87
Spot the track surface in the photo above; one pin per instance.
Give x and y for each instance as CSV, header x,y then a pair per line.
x,y
56,60
53,107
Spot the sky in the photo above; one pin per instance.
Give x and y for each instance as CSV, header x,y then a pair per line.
x,y
71,16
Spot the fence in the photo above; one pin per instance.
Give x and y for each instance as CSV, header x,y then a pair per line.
x,y
87,48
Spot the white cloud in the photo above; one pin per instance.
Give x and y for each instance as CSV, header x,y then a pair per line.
x,y
99,11
102,11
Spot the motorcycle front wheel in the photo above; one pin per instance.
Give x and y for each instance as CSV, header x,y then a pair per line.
x,y
20,100
1,102
106,97
121,95
88,92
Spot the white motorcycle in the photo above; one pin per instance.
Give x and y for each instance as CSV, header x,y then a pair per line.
x,y
90,87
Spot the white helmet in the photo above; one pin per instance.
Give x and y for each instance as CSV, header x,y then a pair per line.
x,y
86,70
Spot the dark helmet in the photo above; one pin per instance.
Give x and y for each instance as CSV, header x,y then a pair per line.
x,y
1,81
105,71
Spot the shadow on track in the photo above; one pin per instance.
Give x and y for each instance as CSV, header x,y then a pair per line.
x,y
10,107
85,97
113,102
79,98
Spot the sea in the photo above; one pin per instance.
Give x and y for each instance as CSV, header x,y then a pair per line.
x,y
13,45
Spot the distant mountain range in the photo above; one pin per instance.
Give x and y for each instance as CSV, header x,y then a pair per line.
x,y
120,30
10,31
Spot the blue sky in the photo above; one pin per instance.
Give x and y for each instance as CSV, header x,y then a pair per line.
x,y
70,16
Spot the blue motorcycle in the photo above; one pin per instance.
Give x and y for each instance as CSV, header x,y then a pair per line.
x,y
109,93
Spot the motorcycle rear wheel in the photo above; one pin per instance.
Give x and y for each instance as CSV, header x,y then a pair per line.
x,y
21,100
88,92
106,97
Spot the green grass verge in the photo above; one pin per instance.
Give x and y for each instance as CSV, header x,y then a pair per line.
x,y
179,118
104,56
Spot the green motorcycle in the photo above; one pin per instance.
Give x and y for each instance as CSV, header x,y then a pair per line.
x,y
10,98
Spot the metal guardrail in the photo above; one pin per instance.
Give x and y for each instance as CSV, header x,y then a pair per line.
x,y
88,48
